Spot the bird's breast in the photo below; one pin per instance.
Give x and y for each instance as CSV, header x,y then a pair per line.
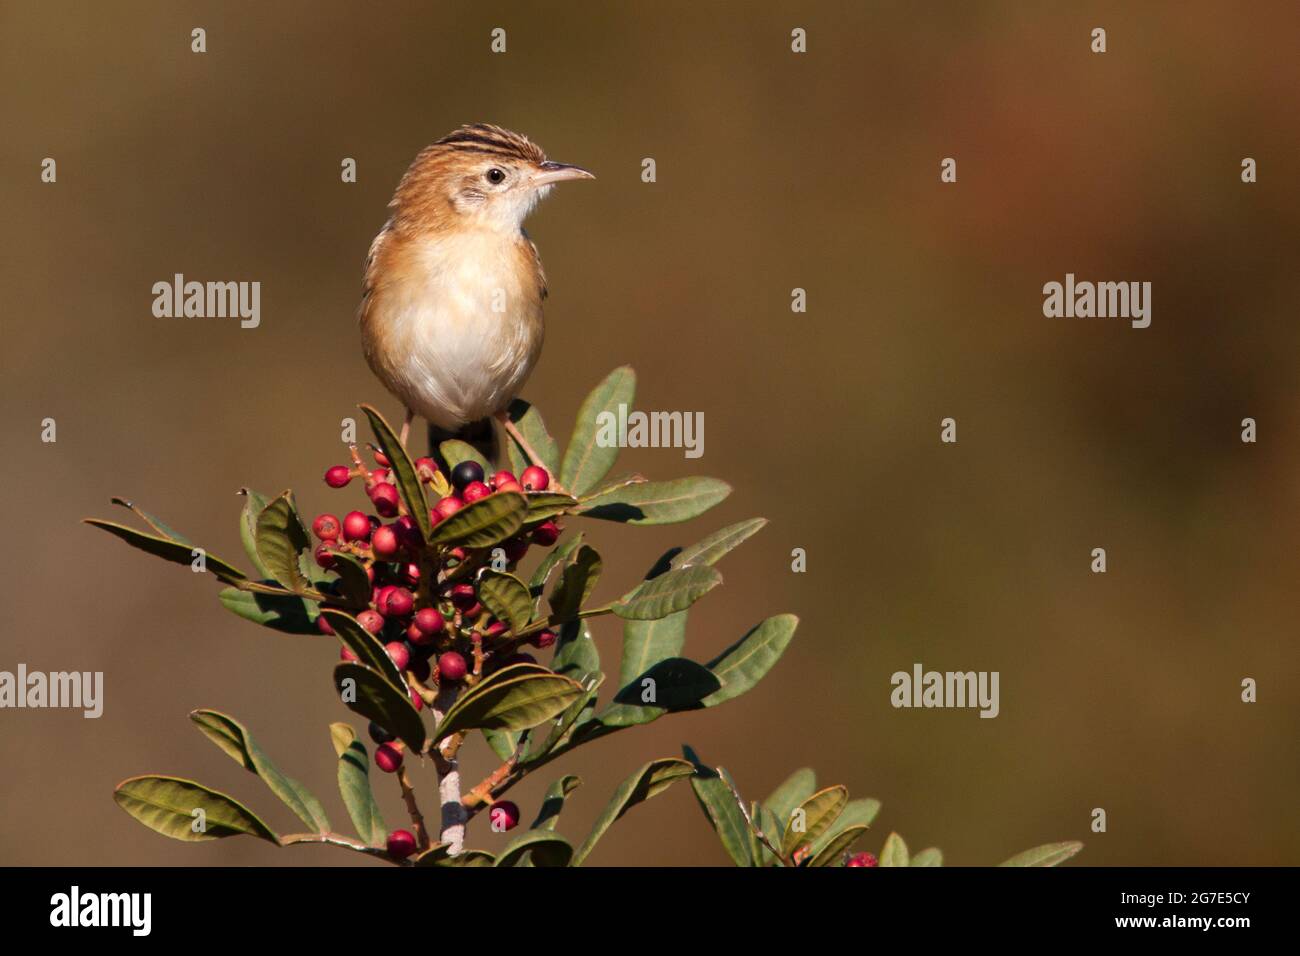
x,y
453,325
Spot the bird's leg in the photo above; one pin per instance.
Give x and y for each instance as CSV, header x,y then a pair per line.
x,y
513,432
406,427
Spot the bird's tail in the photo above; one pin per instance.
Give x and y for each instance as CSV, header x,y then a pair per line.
x,y
480,435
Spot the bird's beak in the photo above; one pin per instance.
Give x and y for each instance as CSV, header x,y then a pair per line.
x,y
549,172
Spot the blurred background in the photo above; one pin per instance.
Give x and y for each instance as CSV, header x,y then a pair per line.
x,y
775,171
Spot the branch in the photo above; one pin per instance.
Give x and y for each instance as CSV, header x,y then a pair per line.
x,y
413,809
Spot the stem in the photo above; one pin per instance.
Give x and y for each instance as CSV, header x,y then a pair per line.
x,y
454,816
413,809
554,621
333,839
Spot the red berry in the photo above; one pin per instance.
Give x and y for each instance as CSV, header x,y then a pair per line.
x,y
398,654
472,612
400,603
326,527
543,639
379,597
463,597
501,477
514,486
388,758
380,457
425,468
504,816
338,476
407,533
429,623
448,506
385,499
863,859
401,844
323,625
416,700
494,630
345,654
534,478
412,574
475,491
324,556
384,542
376,476
515,549
546,534
371,621
356,526
452,666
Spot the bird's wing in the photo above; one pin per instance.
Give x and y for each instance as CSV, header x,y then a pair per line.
x,y
542,291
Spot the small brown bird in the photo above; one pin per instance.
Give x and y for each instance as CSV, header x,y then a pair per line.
x,y
451,310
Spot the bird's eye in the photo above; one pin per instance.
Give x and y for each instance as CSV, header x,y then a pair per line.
x,y
495,176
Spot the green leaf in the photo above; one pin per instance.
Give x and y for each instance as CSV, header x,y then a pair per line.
x,y
721,810
717,545
236,742
548,815
576,654
529,423
577,581
536,848
281,539
678,684
656,502
560,554
667,594
253,505
483,523
894,852
151,521
792,791
746,662
169,550
504,743
365,645
514,698
771,827
819,812
567,721
378,700
547,504
856,813
454,451
646,643
354,785
1049,854
469,858
832,850
585,461
507,598
353,584
928,857
167,805
280,612
408,483
651,779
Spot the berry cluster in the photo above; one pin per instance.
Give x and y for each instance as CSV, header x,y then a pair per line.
x,y
424,604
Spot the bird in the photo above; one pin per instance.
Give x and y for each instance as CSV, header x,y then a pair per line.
x,y
451,304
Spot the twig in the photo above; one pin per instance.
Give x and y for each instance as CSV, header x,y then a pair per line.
x,y
413,809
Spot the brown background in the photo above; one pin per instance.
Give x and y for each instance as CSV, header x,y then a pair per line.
x,y
775,171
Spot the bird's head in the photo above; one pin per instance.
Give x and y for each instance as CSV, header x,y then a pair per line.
x,y
478,176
